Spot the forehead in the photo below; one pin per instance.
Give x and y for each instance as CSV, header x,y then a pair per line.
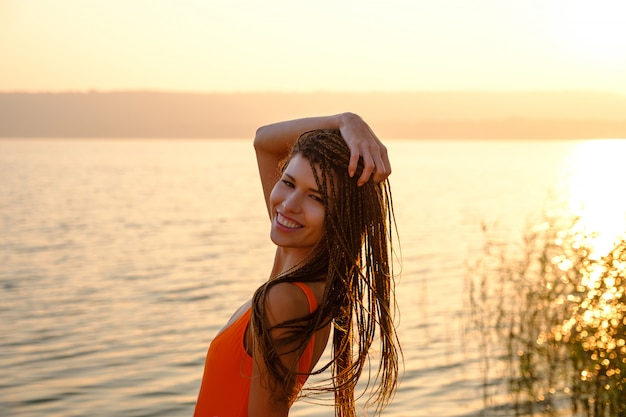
x,y
297,160
299,166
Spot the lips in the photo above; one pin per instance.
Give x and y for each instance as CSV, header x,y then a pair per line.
x,y
287,223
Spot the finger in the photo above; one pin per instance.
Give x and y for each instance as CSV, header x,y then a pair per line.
x,y
380,170
383,166
354,161
368,168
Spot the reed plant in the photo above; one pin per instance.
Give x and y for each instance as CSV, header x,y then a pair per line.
x,y
549,317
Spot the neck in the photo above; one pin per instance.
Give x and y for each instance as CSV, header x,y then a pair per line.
x,y
285,259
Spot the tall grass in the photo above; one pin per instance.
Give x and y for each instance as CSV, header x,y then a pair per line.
x,y
549,317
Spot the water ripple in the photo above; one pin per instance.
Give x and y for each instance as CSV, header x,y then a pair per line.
x,y
120,260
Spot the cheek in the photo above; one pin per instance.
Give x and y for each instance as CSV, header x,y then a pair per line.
x,y
274,195
319,215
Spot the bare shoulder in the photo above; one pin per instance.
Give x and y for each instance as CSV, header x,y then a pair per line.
x,y
285,301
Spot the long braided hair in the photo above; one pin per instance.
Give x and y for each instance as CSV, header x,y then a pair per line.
x,y
355,258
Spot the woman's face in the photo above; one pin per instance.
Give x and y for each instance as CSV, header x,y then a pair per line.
x,y
297,208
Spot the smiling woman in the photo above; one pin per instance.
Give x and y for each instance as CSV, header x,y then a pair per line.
x,y
329,203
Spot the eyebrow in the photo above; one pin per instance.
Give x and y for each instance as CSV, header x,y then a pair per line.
x,y
313,190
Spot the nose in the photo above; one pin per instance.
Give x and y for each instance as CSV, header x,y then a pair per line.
x,y
293,202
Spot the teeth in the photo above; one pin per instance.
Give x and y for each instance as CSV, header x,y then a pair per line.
x,y
286,223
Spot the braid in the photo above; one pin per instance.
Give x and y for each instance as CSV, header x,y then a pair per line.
x,y
353,257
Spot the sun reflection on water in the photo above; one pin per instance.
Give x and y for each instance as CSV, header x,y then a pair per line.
x,y
562,300
593,334
595,190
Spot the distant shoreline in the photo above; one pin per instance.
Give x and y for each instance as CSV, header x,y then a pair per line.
x,y
409,115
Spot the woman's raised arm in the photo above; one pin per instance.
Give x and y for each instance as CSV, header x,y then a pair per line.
x,y
273,142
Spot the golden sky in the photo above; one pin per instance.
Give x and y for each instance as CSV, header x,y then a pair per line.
x,y
322,45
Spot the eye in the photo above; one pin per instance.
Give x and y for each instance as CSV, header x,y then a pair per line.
x,y
288,183
317,198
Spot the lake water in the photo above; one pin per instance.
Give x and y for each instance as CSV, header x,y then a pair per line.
x,y
121,259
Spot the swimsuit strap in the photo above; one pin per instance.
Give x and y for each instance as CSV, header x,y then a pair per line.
x,y
305,362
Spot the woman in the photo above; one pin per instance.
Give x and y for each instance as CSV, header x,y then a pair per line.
x,y
324,181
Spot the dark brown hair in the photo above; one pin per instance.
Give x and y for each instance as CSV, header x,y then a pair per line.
x,y
355,258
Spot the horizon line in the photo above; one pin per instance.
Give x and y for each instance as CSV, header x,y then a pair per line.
x,y
310,92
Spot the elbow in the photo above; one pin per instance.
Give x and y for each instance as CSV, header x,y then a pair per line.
x,y
259,137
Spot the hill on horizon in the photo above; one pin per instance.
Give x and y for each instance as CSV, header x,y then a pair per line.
x,y
154,114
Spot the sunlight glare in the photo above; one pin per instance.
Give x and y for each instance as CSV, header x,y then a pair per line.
x,y
595,192
594,31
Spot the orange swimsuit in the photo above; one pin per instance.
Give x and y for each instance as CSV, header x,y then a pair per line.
x,y
228,368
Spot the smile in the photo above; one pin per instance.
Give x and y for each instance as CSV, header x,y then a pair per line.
x,y
283,221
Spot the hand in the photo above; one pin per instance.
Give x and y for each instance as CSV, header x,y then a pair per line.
x,y
363,143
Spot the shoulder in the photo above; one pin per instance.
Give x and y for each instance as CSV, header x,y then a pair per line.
x,y
284,302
